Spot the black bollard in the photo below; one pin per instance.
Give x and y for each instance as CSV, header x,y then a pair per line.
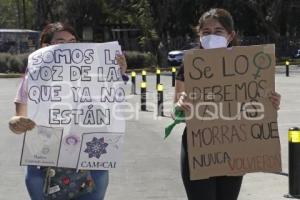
x,y
173,76
287,68
294,162
157,77
143,96
133,82
144,74
160,100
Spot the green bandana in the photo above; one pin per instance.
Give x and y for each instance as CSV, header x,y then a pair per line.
x,y
179,118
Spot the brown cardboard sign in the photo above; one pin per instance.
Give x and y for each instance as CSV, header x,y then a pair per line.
x,y
232,126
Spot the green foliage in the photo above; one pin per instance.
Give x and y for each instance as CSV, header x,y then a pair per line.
x,y
156,17
23,58
4,62
137,60
161,25
8,18
16,15
149,39
13,63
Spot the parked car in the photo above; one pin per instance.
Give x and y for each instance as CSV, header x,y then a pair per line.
x,y
175,57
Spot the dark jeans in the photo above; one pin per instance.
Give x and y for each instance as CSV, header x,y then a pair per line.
x,y
35,182
214,188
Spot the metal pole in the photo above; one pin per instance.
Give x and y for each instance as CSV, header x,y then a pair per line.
x,y
287,68
144,74
157,77
133,83
143,96
173,76
294,162
160,100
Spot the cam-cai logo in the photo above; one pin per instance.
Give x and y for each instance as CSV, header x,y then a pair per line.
x,y
96,147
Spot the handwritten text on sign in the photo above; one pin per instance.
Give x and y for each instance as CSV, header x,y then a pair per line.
x,y
232,126
77,87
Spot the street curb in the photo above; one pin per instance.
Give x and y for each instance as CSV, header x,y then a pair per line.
x,y
151,69
10,75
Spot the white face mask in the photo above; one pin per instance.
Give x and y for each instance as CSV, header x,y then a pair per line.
x,y
213,41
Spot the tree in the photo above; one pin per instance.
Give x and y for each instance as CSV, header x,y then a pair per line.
x,y
269,16
13,12
9,14
46,11
144,20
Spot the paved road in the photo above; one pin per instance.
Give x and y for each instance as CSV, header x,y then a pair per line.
x,y
150,166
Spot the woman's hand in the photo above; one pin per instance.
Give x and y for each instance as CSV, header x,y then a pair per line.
x,y
182,103
20,124
121,60
275,98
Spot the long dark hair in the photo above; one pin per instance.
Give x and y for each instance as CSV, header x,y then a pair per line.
x,y
223,17
49,30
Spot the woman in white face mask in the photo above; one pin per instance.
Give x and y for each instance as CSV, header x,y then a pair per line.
x,y
216,30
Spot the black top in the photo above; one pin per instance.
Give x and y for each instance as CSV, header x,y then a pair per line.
x,y
180,73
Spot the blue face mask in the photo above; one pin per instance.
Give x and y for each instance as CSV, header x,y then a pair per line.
x,y
213,41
